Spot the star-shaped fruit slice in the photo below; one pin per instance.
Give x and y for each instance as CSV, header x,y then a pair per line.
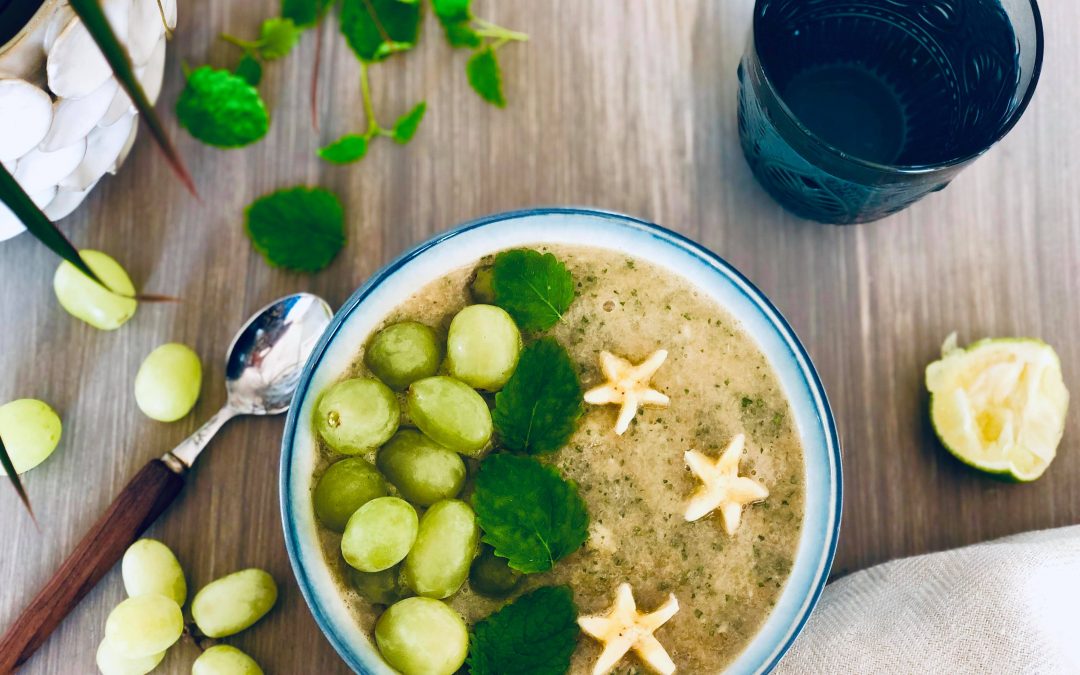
x,y
624,628
628,385
722,486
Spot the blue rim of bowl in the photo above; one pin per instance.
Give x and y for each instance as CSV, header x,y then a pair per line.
x,y
690,246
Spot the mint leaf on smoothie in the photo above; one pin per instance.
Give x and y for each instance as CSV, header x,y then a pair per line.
x,y
536,289
537,411
299,229
534,635
529,513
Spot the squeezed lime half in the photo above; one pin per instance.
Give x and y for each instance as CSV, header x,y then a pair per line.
x,y
999,405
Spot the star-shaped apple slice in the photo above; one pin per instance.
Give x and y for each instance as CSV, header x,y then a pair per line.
x,y
722,486
624,628
628,385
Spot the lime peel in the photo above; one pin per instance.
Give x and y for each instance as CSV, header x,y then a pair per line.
x,y
999,405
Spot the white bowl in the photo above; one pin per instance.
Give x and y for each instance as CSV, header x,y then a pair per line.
x,y
464,245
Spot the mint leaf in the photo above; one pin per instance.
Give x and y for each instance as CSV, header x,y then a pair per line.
x,y
529,513
221,109
485,76
455,17
304,13
277,38
538,409
456,10
535,289
249,69
298,229
345,150
405,126
534,635
369,24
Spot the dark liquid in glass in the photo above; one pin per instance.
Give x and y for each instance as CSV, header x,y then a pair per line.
x,y
13,16
897,82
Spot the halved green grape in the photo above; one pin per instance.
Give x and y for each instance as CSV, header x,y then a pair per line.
x,y
382,588
344,487
451,413
483,346
358,414
111,662
438,563
143,626
492,576
403,353
232,603
168,382
85,299
421,636
225,660
422,470
481,286
150,568
30,430
380,534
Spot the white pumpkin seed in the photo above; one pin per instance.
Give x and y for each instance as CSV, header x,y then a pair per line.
x,y
144,30
103,146
73,118
125,150
151,75
65,202
10,225
75,66
39,170
56,23
25,116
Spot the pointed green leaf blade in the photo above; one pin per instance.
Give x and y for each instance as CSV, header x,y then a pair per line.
x,y
99,28
345,150
485,76
406,125
9,469
38,224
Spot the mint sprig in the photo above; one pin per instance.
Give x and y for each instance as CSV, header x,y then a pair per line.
x,y
530,514
537,411
221,109
534,635
462,29
536,289
277,37
298,229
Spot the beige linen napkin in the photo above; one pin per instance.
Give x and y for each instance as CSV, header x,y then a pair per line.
x,y
1002,607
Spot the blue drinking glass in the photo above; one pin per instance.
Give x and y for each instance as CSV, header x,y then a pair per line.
x,y
851,110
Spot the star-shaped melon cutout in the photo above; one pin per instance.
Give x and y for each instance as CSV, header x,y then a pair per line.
x,y
628,385
722,486
624,628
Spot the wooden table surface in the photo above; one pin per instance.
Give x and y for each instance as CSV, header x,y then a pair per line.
x,y
627,106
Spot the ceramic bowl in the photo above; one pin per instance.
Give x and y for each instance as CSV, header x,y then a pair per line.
x,y
463,246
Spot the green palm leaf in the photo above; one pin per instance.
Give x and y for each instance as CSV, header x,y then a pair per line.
x,y
9,468
94,18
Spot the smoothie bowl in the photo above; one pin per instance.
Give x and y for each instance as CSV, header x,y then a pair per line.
x,y
560,441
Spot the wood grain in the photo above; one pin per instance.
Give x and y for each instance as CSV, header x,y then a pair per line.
x,y
628,106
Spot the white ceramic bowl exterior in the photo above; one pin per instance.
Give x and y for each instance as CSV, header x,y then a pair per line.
x,y
464,246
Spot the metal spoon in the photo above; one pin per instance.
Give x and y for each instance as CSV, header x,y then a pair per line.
x,y
261,374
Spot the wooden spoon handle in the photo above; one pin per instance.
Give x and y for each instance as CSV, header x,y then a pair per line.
x,y
133,510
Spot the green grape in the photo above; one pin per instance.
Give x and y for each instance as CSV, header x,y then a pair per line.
x,y
382,588
380,534
225,660
112,662
232,603
85,299
344,487
451,413
358,414
144,625
422,470
403,353
168,382
492,576
30,430
438,564
481,286
150,568
421,636
483,346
